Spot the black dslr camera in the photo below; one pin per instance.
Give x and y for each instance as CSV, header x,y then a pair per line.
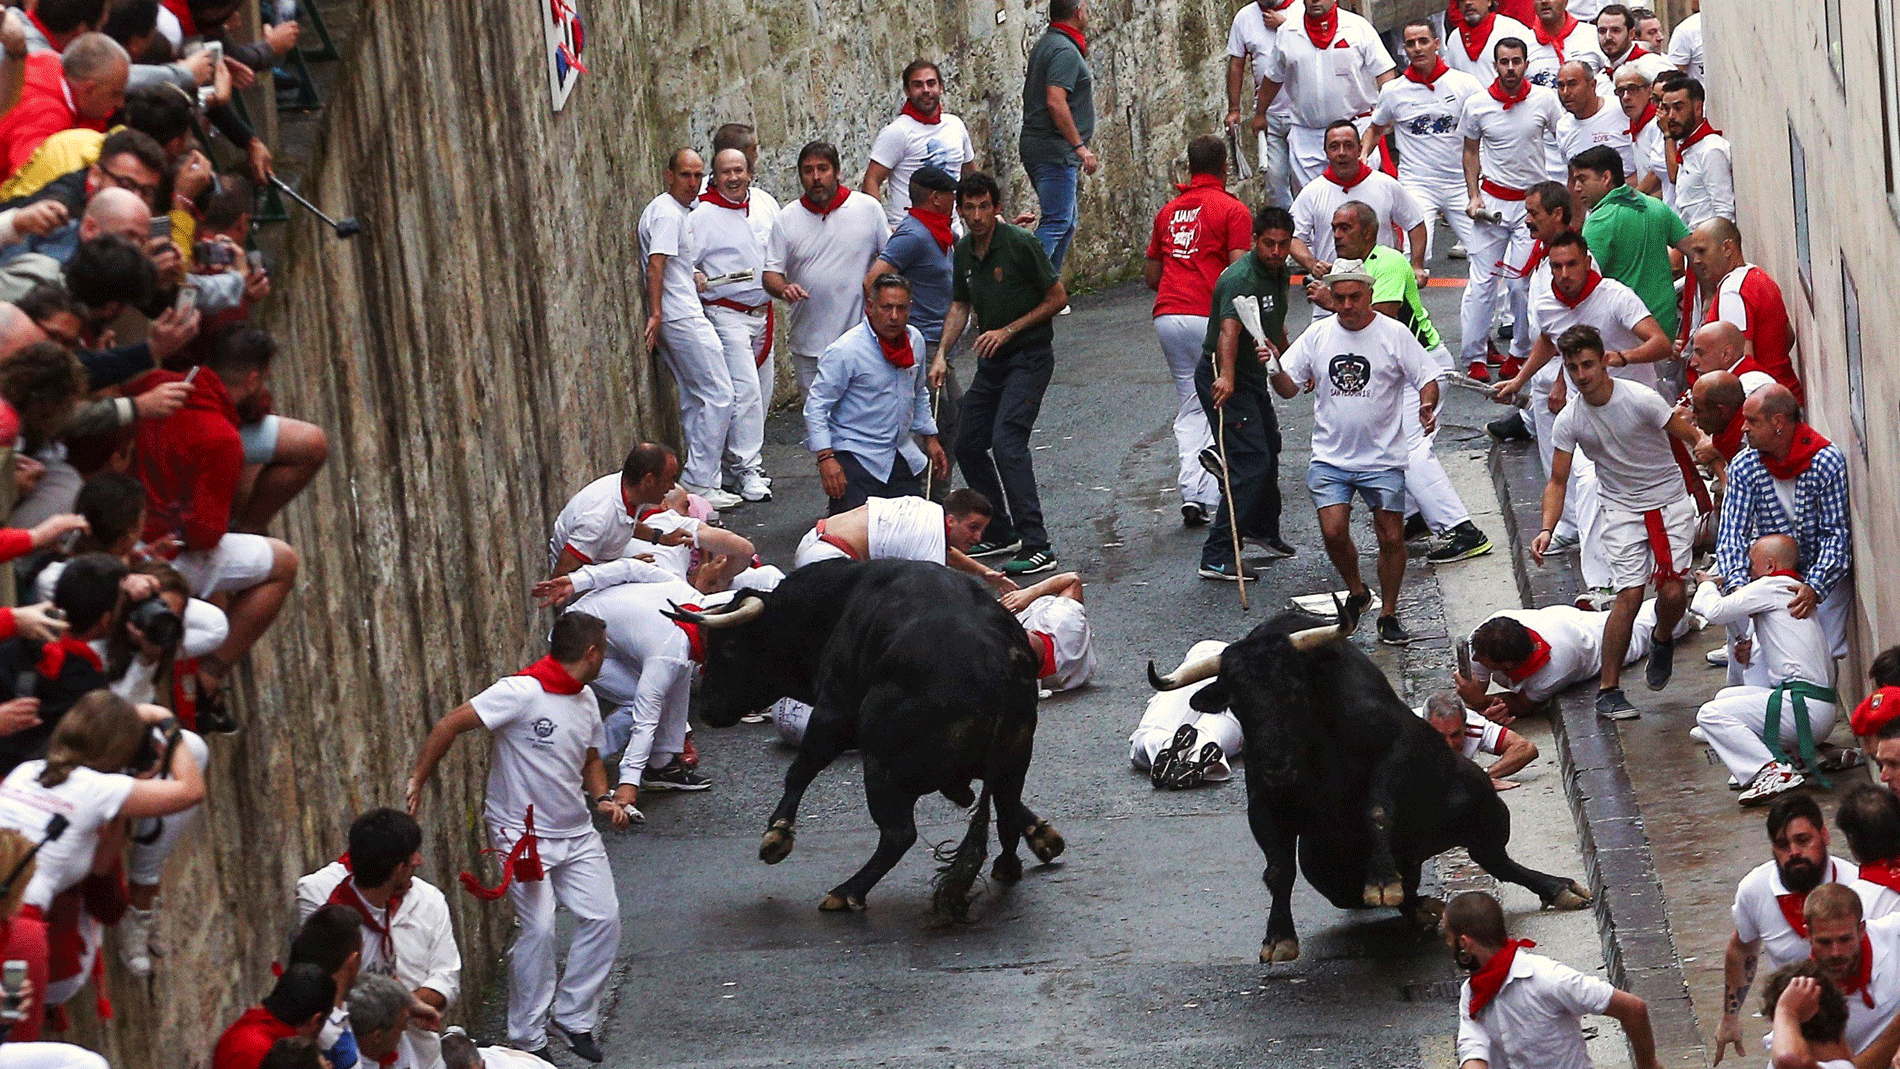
x,y
156,621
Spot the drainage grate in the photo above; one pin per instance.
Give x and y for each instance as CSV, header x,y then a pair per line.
x,y
1438,991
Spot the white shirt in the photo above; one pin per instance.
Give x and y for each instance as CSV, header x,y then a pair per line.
x,y
1533,1021
1575,638
1757,914
1066,623
541,743
1865,1023
1685,46
1649,148
1249,39
1333,83
1624,436
88,800
666,229
905,144
1362,380
1511,143
594,524
904,528
1543,61
1609,126
1585,10
638,637
1613,308
1484,68
1313,209
677,561
828,255
735,241
1788,648
1876,900
1705,182
1481,735
1425,122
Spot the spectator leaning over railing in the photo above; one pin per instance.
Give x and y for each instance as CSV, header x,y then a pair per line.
x,y
81,86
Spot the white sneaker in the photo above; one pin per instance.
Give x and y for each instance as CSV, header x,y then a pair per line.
x,y
1065,310
718,499
1698,734
135,940
1457,252
1717,657
753,487
1773,779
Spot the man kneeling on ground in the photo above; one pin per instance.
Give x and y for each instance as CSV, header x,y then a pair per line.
x,y
906,528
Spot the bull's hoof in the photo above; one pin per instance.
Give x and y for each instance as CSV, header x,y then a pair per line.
x,y
1007,868
1391,893
1045,842
777,844
1277,950
837,903
1574,896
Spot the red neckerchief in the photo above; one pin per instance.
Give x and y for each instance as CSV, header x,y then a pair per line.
x,y
899,353
837,201
1858,985
1637,51
1363,173
1488,981
186,24
1539,657
1509,102
1796,576
1874,712
695,641
1649,112
346,894
717,199
1801,451
553,678
1081,40
1563,34
1411,74
939,226
1538,252
1793,906
1698,134
390,1058
1322,31
1885,872
1475,37
928,120
1045,643
1589,287
53,656
1729,441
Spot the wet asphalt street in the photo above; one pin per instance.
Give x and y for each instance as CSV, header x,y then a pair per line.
x,y
1139,947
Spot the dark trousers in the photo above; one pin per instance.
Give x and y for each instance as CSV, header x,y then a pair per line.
x,y
861,485
1253,464
949,401
998,412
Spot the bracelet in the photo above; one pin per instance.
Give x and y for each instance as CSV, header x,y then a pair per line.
x,y
608,797
1548,530
826,455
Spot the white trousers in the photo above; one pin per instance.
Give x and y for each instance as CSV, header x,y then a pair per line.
x,y
740,336
153,840
1428,489
654,722
1736,717
693,353
1163,718
1444,197
1592,561
1181,338
1496,251
579,879
1275,166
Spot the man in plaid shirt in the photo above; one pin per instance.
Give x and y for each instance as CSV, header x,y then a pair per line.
x,y
1789,481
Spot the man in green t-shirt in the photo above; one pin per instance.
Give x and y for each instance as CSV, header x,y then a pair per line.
x,y
1003,282
1231,381
1630,234
1058,121
1432,504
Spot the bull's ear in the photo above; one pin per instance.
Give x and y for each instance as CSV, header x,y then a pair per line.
x,y
1210,699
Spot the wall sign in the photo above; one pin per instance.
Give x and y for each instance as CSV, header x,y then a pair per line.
x,y
561,24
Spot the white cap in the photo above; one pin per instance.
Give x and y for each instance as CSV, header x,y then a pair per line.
x,y
1348,271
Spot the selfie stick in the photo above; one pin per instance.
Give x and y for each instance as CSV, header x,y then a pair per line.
x,y
345,228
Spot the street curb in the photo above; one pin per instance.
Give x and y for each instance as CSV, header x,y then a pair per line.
x,y
1638,949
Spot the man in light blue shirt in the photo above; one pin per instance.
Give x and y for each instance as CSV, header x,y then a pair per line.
x,y
869,397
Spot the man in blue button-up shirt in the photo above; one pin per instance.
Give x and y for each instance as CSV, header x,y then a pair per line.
x,y
869,398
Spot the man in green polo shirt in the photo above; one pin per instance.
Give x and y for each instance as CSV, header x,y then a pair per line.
x,y
1001,276
1432,504
1231,381
1629,233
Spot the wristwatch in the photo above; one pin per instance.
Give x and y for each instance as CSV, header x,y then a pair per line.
x,y
608,797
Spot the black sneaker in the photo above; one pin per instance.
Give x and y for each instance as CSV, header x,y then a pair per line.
x,y
987,548
1464,542
214,714
1275,546
1191,772
1509,428
1193,514
1225,570
1612,705
582,1044
1356,605
1662,663
1029,562
1210,462
1416,528
674,777
1161,772
1393,633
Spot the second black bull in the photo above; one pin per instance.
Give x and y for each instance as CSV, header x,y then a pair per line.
x,y
1342,775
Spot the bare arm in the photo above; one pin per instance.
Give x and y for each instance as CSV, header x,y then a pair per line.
x,y
1473,195
1541,352
435,747
1654,346
1303,255
1682,427
963,562
1738,975
723,542
1633,1014
777,285
1151,273
1236,75
656,286
161,797
1416,236
879,266
954,322
1373,134
1516,751
874,176
1553,502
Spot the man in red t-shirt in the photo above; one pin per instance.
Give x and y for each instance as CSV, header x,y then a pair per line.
x,y
1745,295
1196,235
297,1006
78,88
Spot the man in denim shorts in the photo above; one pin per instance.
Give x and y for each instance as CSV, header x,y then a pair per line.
x,y
1363,368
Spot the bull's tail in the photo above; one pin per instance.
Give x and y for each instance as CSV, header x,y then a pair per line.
x,y
951,895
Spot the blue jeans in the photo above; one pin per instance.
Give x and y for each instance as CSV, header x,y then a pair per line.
x,y
1055,192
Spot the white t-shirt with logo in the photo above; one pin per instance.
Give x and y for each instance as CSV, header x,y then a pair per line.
x,y
1361,380
541,744
1425,122
1624,436
905,144
666,229
1608,127
87,799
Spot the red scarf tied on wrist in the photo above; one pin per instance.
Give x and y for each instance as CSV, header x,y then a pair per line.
x,y
1364,172
553,678
1081,39
939,226
899,353
838,197
1321,31
1488,981
717,199
1801,452
1539,657
1511,100
1428,81
928,120
1590,285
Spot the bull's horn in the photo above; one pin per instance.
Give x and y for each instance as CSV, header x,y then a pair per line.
x,y
742,612
1314,637
1189,672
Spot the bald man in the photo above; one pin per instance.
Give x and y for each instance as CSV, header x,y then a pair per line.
x,y
1720,345
77,89
1740,293
1716,403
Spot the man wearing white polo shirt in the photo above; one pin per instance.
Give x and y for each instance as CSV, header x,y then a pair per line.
x,y
1504,130
1421,109
821,247
1558,37
1469,47
597,523
1348,178
1331,64
1252,41
922,134
733,222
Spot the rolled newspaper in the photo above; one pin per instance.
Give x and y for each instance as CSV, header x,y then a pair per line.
x,y
1248,310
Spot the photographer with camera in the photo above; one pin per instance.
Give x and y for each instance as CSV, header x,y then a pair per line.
x,y
44,679
91,777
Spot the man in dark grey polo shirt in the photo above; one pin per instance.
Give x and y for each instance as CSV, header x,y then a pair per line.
x,y
1058,122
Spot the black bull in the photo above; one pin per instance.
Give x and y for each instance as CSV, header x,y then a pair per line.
x,y
1341,770
922,671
